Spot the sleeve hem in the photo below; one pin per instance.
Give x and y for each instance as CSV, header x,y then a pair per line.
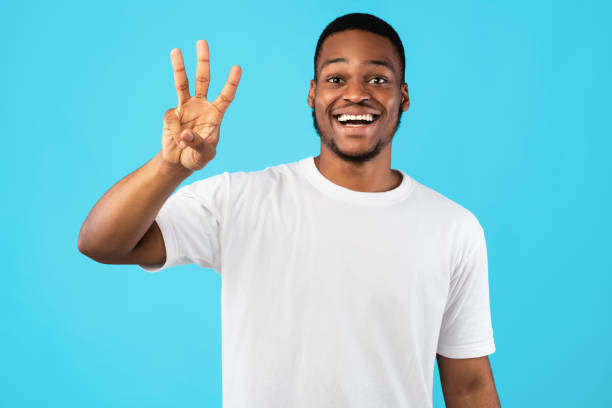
x,y
468,351
169,242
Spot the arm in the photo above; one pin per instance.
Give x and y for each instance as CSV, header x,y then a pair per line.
x,y
467,382
120,229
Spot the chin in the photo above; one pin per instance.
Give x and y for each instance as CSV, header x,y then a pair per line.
x,y
358,155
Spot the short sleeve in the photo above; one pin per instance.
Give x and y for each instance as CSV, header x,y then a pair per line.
x,y
466,329
190,222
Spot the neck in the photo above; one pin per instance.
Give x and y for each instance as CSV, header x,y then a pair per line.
x,y
374,175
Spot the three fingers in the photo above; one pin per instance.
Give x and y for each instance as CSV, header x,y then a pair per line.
x,y
202,78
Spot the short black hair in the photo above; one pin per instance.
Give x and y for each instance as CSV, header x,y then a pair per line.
x,y
365,22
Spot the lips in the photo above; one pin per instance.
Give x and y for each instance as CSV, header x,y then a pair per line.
x,y
348,111
355,123
355,131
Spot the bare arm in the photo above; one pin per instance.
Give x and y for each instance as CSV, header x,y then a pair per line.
x,y
114,231
467,382
120,229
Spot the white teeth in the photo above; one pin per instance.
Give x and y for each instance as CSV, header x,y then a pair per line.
x,y
367,116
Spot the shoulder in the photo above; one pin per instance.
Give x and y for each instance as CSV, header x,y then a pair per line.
x,y
207,186
268,174
240,179
245,189
454,223
269,179
442,209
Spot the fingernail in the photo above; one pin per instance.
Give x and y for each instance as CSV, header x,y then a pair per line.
x,y
189,136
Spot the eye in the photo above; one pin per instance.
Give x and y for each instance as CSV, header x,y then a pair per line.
x,y
380,80
333,80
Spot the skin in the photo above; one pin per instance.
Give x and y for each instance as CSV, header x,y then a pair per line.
x,y
121,227
358,162
467,382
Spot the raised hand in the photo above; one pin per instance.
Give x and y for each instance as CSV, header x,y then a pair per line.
x,y
191,130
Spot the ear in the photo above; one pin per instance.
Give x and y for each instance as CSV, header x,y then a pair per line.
x,y
405,98
311,93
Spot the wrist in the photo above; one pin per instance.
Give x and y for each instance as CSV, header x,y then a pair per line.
x,y
168,170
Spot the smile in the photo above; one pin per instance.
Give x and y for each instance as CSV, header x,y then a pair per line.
x,y
356,120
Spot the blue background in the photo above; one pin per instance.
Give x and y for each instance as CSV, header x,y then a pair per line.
x,y
509,117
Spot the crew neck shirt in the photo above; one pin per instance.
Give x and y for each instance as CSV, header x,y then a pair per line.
x,y
332,297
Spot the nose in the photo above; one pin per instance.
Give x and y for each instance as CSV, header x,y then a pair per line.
x,y
355,92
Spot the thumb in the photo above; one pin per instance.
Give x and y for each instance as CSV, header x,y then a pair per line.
x,y
189,138
205,150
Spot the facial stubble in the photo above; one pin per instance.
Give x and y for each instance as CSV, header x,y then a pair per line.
x,y
356,158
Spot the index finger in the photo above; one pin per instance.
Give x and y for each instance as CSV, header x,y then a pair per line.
x,y
229,89
180,77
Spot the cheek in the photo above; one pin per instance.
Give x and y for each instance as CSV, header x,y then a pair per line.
x,y
391,97
393,105
321,109
324,99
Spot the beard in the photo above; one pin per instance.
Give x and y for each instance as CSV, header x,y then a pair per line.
x,y
359,157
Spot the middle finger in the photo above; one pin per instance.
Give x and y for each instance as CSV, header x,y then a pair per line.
x,y
202,70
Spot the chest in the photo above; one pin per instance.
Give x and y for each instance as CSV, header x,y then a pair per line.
x,y
339,253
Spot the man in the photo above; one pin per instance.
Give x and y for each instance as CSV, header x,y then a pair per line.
x,y
342,279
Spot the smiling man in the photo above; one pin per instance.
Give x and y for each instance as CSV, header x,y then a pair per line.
x,y
342,279
359,91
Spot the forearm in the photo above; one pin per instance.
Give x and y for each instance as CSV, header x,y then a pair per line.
x,y
484,396
126,211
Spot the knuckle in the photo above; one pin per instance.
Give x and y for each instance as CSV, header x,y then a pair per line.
x,y
217,105
225,98
202,78
182,86
170,117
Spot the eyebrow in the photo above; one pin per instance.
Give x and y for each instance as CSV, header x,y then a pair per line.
x,y
369,62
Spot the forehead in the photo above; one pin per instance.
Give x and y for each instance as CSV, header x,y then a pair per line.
x,y
358,46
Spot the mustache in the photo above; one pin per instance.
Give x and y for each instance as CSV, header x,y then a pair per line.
x,y
316,125
360,105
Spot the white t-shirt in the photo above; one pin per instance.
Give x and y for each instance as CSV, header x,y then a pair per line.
x,y
333,298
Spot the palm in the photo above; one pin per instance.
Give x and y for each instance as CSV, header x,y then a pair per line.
x,y
204,119
195,113
201,116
